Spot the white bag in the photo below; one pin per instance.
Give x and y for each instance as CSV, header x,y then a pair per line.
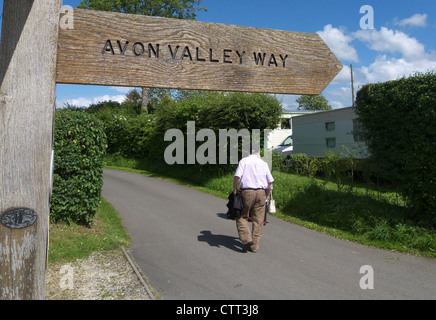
x,y
271,205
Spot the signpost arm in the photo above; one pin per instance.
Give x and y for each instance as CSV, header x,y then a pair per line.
x,y
27,97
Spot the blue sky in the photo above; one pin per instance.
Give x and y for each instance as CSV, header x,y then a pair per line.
x,y
401,43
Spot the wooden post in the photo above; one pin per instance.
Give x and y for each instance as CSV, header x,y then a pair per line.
x,y
27,97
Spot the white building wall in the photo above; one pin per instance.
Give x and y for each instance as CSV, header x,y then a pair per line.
x,y
277,136
310,133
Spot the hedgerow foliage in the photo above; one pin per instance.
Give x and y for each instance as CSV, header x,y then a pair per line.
x,y
140,136
128,131
400,122
79,151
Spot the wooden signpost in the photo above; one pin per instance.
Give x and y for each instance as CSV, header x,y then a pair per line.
x,y
117,50
27,99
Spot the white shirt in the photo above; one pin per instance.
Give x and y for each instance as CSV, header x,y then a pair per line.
x,y
254,173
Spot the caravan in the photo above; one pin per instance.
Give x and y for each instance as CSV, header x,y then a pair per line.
x,y
336,130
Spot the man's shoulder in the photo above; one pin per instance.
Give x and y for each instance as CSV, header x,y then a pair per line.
x,y
245,160
252,159
260,160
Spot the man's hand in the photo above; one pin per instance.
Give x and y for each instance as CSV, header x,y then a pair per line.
x,y
268,191
236,181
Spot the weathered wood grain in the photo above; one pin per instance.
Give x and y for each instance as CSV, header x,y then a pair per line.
x,y
117,49
27,97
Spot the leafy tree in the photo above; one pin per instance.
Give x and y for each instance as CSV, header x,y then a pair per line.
x,y
313,103
156,97
181,9
133,96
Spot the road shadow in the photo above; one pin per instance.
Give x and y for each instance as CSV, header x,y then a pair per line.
x,y
219,240
223,216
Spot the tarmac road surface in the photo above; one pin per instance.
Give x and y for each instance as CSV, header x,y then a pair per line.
x,y
188,249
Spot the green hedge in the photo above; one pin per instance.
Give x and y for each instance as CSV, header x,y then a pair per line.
x,y
220,110
399,118
79,151
140,136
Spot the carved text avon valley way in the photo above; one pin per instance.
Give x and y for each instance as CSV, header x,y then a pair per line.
x,y
209,55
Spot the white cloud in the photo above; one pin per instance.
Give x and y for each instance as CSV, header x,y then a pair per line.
x,y
386,68
395,55
340,97
343,77
338,42
335,104
124,90
417,20
289,102
387,40
86,102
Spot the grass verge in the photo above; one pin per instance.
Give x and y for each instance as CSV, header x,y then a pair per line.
x,y
71,242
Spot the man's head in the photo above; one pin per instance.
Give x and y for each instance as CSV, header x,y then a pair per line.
x,y
254,149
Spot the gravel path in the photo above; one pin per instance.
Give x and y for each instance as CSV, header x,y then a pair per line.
x,y
103,276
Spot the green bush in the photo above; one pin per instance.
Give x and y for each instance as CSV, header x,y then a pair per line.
x,y
338,168
219,110
141,136
303,165
79,151
335,167
129,131
131,137
399,119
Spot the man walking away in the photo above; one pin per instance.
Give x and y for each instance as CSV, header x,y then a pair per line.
x,y
255,181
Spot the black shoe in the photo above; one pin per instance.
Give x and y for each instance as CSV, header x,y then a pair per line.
x,y
247,247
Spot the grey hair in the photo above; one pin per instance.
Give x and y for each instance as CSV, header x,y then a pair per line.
x,y
254,148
